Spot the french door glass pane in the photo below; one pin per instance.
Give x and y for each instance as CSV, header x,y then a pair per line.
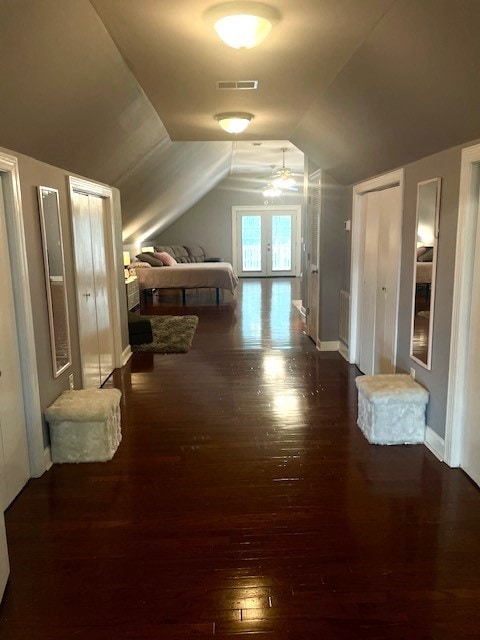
x,y
251,243
281,243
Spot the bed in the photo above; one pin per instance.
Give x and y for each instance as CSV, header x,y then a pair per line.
x,y
200,275
424,266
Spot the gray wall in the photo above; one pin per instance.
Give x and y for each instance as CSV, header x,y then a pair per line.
x,y
445,165
209,222
33,173
334,212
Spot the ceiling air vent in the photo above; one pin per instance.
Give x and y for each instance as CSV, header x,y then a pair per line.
x,y
237,85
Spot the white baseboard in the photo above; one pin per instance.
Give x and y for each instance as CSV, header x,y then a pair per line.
x,y
126,355
47,454
332,345
435,443
343,351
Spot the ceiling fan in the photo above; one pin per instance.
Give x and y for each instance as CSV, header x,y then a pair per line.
x,y
281,180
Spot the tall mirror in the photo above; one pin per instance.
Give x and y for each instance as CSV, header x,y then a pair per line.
x,y
428,204
55,278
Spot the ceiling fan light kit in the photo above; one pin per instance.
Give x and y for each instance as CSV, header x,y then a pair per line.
x,y
234,122
242,24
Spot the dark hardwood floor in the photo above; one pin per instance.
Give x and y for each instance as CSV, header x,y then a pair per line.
x,y
244,502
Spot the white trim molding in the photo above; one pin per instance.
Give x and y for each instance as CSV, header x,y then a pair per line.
x,y
328,345
394,178
462,298
344,351
435,443
47,454
126,355
24,314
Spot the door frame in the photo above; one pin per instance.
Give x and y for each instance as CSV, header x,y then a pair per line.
x,y
468,206
80,185
314,180
38,459
297,208
391,179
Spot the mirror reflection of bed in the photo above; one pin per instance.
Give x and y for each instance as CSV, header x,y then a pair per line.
x,y
428,195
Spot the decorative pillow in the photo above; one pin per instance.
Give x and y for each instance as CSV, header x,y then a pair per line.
x,y
427,256
140,265
421,251
152,261
166,258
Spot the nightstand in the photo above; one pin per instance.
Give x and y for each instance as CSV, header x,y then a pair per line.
x,y
133,292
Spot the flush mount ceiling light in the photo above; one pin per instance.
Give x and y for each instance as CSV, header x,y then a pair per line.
x,y
242,25
234,122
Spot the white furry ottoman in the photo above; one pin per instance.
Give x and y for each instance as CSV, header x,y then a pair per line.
x,y
85,425
391,409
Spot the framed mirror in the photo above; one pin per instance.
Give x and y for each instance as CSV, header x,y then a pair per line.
x,y
423,304
54,263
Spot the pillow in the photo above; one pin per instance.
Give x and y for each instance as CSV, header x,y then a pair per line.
x,y
427,256
140,265
421,251
152,261
166,258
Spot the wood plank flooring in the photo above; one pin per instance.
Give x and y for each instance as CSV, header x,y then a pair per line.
x,y
244,502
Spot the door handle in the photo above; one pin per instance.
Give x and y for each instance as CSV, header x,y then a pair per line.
x,y
314,271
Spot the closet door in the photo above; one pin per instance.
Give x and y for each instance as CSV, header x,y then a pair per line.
x,y
381,211
313,255
102,304
14,463
96,343
470,445
371,214
4,563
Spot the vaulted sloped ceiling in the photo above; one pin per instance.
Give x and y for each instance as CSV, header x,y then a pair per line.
x,y
409,91
69,99
123,91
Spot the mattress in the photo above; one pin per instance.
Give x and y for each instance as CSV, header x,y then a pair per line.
x,y
197,275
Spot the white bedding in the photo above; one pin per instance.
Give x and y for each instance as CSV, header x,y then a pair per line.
x,y
197,275
424,273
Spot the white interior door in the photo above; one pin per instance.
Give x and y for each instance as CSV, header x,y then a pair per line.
x,y
4,563
313,256
470,450
102,301
266,242
381,214
14,464
96,342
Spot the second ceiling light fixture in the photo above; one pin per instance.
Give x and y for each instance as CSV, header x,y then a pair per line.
x,y
241,25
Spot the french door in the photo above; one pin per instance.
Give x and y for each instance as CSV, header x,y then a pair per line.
x,y
265,241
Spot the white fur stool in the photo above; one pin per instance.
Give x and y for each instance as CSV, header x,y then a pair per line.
x,y
391,409
85,425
